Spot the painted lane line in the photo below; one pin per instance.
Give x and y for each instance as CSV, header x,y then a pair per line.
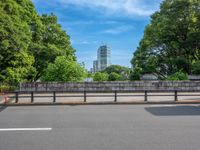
x,y
25,129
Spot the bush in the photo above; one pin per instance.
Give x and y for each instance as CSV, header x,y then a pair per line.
x,y
64,69
178,76
114,77
100,76
6,87
136,73
196,68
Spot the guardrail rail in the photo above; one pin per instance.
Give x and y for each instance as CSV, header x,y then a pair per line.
x,y
16,95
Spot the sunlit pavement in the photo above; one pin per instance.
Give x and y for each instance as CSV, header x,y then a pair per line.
x,y
100,127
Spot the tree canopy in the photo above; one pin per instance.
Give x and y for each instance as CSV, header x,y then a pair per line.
x,y
64,69
171,41
100,76
28,41
117,72
114,77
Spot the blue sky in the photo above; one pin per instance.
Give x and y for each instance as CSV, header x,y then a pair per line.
x,y
90,23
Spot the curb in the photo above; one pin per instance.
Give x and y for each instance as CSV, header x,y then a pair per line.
x,y
102,103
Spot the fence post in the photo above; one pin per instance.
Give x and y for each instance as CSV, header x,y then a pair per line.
x,y
115,96
145,96
16,97
85,96
54,96
32,97
175,96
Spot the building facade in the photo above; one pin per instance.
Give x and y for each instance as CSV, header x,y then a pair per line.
x,y
95,66
103,57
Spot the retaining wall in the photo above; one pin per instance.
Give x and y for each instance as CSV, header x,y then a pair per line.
x,y
111,86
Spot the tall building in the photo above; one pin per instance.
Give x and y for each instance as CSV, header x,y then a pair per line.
x,y
103,57
95,66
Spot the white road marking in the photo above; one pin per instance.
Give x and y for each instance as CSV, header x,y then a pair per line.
x,y
25,129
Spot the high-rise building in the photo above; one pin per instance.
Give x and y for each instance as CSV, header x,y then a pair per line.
x,y
103,57
95,66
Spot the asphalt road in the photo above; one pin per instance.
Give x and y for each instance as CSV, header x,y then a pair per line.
x,y
100,127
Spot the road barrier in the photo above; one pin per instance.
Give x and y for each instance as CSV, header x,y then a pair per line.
x,y
86,94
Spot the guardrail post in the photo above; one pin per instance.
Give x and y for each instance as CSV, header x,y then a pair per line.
x,y
85,96
115,96
175,96
145,96
54,96
16,97
32,97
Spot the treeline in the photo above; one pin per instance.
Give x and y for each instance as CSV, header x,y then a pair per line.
x,y
113,73
171,42
30,42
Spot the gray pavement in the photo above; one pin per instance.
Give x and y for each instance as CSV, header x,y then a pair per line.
x,y
101,127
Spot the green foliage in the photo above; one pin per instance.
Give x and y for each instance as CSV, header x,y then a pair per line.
x,y
178,76
7,87
122,72
64,69
100,76
53,42
196,68
21,69
29,42
136,73
116,68
114,77
90,75
171,40
15,36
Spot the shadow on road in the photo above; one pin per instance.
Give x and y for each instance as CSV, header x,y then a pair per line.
x,y
2,108
174,110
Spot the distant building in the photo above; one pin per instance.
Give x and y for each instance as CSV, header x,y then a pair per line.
x,y
95,66
103,57
149,77
91,70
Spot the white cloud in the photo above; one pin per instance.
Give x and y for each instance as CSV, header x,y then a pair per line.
x,y
130,7
118,30
85,42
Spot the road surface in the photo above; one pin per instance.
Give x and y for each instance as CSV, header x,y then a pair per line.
x,y
100,127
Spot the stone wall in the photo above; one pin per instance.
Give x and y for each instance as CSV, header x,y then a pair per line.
x,y
111,86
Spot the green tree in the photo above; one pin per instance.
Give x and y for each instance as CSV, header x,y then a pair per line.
x,y
100,76
64,69
136,73
171,40
196,68
53,42
178,76
15,37
124,72
28,41
114,77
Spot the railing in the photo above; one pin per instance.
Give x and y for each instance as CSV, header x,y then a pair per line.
x,y
86,94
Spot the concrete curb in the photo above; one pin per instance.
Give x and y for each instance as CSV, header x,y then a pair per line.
x,y
102,103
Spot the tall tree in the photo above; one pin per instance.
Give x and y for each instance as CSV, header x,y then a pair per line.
x,y
54,42
15,37
64,69
171,41
28,41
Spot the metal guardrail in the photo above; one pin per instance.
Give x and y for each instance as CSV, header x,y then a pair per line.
x,y
86,94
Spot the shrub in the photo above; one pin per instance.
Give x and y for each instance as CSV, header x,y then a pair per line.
x,y
100,76
114,77
196,68
178,76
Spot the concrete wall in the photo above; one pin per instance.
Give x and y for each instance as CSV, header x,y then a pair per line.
x,y
111,86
